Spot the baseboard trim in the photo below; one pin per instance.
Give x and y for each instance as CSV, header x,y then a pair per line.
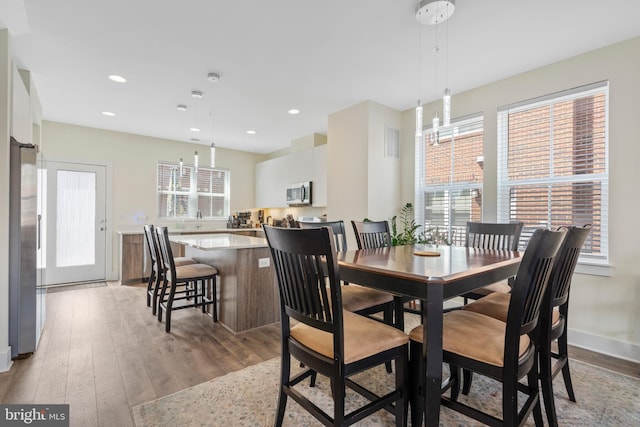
x,y
5,360
609,346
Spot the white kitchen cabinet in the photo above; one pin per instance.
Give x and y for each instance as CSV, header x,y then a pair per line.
x,y
271,183
274,175
319,176
21,123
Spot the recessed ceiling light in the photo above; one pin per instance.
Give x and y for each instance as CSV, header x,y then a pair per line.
x,y
182,107
118,79
251,132
108,113
194,129
294,111
195,140
196,94
213,77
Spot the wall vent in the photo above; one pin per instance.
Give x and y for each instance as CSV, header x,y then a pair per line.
x,y
392,143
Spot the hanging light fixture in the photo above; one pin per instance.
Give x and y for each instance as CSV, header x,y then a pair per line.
x,y
195,161
434,12
181,167
213,78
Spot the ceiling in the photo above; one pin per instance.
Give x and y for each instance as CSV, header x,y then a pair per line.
x,y
318,56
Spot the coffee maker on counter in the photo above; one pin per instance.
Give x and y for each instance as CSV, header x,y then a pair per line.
x,y
240,220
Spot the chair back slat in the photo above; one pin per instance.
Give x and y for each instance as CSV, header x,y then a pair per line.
x,y
531,281
372,234
338,231
152,246
308,281
565,264
166,254
498,236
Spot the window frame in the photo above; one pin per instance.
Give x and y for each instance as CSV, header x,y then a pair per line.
x,y
422,189
192,193
505,184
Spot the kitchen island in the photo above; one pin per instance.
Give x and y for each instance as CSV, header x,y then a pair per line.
x,y
248,292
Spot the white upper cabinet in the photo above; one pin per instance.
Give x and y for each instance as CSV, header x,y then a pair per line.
x,y
274,175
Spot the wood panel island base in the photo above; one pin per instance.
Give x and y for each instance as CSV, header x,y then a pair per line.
x,y
248,292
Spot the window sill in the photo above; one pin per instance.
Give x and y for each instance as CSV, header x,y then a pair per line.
x,y
604,270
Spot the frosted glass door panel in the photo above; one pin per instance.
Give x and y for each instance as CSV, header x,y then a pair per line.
x,y
76,218
76,231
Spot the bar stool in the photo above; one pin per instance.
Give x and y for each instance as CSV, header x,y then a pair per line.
x,y
186,283
158,269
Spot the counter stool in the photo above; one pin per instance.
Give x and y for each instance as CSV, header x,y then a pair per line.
x,y
187,283
156,277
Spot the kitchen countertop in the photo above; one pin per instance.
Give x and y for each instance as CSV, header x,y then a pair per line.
x,y
209,242
193,231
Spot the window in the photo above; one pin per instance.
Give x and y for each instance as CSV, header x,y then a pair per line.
x,y
206,190
553,164
449,178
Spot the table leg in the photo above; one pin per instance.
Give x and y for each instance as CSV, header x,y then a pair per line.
x,y
432,349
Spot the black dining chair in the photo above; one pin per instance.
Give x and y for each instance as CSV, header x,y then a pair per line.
x,y
327,339
504,351
158,269
498,236
355,298
185,285
554,315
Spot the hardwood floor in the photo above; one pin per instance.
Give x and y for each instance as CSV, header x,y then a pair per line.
x,y
103,352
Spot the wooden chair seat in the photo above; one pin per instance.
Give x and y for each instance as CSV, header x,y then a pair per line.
x,y
182,260
474,336
357,298
363,337
496,305
193,271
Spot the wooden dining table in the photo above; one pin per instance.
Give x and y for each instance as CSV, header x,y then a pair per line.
x,y
432,274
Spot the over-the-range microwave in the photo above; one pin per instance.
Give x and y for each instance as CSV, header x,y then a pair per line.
x,y
299,194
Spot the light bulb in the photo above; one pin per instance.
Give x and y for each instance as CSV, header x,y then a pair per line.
x,y
419,120
195,161
213,155
446,108
181,166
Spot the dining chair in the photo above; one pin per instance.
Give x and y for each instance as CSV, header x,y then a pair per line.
x,y
554,315
326,338
355,298
186,284
504,351
498,236
156,275
376,234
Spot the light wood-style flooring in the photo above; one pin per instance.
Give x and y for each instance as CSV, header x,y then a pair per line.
x,y
103,352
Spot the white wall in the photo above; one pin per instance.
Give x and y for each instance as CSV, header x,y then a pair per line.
x,y
362,182
132,160
605,311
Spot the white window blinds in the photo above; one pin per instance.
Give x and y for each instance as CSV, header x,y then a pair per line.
x,y
184,195
449,178
553,164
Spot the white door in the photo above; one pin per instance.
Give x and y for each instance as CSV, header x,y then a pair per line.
x,y
75,223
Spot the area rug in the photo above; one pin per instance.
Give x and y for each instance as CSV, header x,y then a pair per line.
x,y
249,398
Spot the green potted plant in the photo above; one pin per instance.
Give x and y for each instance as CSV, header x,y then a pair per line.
x,y
409,235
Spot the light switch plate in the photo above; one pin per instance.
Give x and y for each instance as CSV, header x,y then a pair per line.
x,y
264,262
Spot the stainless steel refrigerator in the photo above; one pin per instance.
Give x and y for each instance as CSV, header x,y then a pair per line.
x,y
26,294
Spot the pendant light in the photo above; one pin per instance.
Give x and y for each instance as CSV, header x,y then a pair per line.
x,y
434,12
213,78
195,161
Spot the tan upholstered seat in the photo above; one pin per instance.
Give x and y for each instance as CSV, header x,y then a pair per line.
x,y
363,337
190,271
473,335
496,305
182,260
501,287
356,298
